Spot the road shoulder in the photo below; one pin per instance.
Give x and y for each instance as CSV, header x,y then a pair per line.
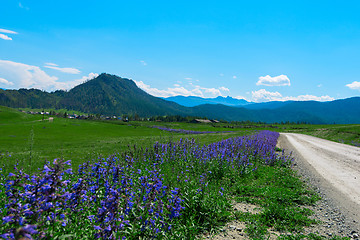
x,y
335,211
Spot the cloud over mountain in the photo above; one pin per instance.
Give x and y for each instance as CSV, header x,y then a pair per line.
x,y
21,75
263,95
6,82
64,70
193,90
354,85
281,80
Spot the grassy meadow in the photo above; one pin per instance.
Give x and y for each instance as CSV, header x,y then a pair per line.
x,y
26,136
171,187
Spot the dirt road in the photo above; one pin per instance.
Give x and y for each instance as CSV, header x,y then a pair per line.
x,y
332,167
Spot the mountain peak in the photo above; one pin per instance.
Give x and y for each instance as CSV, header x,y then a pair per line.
x,y
110,80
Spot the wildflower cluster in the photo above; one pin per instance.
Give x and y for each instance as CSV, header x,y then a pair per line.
x,y
144,193
111,198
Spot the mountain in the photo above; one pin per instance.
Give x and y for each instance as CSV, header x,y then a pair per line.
x,y
106,94
112,95
191,101
267,105
338,111
344,111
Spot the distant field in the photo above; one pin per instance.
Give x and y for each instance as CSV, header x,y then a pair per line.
x,y
27,138
345,133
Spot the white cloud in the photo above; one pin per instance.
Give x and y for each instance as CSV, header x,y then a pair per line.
x,y
51,64
6,37
6,82
179,90
213,91
162,93
263,96
90,76
7,31
187,78
320,85
71,84
309,98
242,98
64,70
221,74
143,62
234,77
354,85
224,89
28,76
281,80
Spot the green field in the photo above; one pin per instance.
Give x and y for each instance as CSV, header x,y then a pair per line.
x,y
31,141
27,138
343,133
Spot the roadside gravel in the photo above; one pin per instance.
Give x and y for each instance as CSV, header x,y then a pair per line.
x,y
333,170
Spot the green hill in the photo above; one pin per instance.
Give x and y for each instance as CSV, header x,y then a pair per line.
x,y
112,95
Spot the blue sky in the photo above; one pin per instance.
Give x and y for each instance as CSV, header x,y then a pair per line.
x,y
257,50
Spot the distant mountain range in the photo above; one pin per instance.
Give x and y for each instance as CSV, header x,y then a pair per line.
x,y
192,101
112,95
267,105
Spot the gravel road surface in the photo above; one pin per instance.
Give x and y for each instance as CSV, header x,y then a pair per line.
x,y
334,170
